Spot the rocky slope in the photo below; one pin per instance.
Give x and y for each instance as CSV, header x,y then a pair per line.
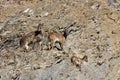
x,y
95,35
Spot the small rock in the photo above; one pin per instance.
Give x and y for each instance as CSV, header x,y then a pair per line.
x,y
44,14
95,6
27,10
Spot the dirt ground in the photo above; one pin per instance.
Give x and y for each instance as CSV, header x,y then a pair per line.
x,y
95,35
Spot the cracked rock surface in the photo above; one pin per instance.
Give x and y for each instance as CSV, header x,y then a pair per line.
x,y
94,33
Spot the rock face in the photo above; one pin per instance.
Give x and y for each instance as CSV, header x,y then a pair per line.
x,y
93,37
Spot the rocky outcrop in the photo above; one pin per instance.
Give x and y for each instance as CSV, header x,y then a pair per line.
x,y
93,38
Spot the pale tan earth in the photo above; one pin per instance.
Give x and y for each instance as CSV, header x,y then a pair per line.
x,y
96,35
